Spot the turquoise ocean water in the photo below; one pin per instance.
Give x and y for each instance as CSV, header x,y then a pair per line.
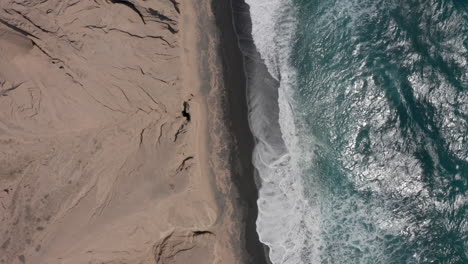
x,y
373,103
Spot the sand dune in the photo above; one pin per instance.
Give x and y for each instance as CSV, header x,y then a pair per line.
x,y
103,135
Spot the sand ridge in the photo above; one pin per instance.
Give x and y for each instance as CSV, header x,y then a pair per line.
x,y
103,135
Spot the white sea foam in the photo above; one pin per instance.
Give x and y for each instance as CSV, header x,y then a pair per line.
x,y
290,217
287,222
264,15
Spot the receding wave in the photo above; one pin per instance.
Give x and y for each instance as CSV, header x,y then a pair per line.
x,y
284,212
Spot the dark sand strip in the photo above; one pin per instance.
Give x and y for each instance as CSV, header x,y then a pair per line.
x,y
237,118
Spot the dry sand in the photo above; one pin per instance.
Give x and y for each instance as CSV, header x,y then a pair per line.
x,y
109,152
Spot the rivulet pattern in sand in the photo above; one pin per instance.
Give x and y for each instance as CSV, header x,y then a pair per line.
x,y
102,159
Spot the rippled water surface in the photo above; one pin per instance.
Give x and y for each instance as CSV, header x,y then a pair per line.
x,y
374,97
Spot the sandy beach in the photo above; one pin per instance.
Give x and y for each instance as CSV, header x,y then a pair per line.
x,y
124,134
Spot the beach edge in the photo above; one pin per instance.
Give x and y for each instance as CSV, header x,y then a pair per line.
x,y
235,81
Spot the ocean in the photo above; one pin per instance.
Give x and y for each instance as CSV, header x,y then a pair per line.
x,y
362,152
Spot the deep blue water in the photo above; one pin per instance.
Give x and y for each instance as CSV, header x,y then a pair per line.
x,y
373,99
381,105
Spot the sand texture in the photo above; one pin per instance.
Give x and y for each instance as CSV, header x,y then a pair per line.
x,y
105,155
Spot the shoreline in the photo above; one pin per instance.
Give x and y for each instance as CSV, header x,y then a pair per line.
x,y
159,154
233,28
